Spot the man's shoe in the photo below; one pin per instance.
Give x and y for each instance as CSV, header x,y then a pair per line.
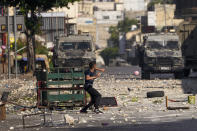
x,y
97,111
83,111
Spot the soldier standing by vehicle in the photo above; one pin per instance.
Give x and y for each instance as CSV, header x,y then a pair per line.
x,y
90,76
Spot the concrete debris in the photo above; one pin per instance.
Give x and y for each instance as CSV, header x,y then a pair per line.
x,y
133,121
11,128
112,118
126,119
69,119
82,120
104,124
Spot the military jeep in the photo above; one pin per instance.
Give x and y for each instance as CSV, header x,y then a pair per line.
x,y
73,51
161,53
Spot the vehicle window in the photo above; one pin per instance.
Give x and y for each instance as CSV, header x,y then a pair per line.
x,y
67,45
172,45
155,44
83,46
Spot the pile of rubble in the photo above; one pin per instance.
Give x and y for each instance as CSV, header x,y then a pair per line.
x,y
21,92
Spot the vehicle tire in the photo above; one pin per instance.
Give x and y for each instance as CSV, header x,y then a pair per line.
x,y
155,94
186,72
179,75
145,75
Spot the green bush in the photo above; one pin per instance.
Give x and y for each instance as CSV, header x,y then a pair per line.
x,y
109,53
40,49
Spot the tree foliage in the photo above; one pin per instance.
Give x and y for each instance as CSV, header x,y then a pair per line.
x,y
113,30
31,9
41,49
125,25
109,53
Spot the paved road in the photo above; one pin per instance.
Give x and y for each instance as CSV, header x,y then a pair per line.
x,y
160,121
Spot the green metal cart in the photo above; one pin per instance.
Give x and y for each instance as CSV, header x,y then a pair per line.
x,y
61,87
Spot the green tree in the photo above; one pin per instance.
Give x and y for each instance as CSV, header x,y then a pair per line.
x,y
113,30
40,49
109,53
125,25
30,10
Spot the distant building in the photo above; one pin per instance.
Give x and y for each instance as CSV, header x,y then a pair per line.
x,y
71,15
85,8
108,6
135,5
159,18
53,25
105,19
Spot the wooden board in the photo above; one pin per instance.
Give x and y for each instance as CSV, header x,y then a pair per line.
x,y
2,112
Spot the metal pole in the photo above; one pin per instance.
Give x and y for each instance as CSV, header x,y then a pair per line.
x,y
8,46
15,42
165,16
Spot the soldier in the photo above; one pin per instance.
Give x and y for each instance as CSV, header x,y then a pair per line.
x,y
90,76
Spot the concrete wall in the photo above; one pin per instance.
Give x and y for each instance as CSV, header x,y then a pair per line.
x,y
135,5
103,24
160,16
71,12
87,25
104,5
119,6
85,8
108,17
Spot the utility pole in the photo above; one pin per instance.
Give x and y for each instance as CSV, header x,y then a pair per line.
x,y
8,45
165,16
15,42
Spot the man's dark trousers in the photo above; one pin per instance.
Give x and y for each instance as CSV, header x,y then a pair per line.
x,y
95,97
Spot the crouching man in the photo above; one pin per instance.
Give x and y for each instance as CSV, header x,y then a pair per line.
x,y
90,76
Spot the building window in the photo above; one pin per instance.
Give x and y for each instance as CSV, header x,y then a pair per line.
x,y
105,17
119,17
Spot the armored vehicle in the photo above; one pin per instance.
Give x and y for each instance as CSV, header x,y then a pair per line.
x,y
161,53
73,51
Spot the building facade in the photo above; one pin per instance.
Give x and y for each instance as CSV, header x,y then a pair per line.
x,y
135,5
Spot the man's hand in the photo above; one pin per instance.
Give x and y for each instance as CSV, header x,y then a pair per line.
x,y
102,70
98,75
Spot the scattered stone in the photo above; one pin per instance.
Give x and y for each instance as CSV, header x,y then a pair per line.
x,y
11,128
104,124
105,108
82,120
126,119
69,119
133,121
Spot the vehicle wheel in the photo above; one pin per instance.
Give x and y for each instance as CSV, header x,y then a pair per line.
x,y
155,94
186,72
145,75
179,75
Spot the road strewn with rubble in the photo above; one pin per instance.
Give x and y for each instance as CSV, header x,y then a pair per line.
x,y
134,111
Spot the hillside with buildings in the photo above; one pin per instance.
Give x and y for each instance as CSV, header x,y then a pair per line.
x,y
96,17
